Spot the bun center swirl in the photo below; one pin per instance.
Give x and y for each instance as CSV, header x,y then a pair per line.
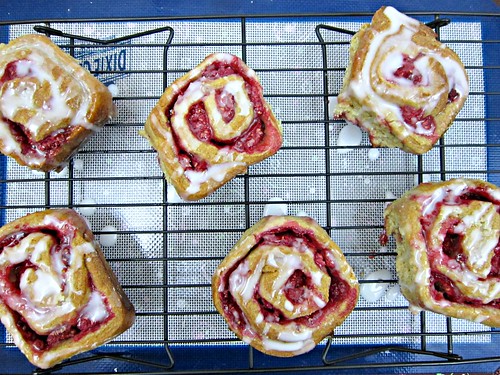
x,y
39,97
43,281
462,234
286,286
291,284
228,108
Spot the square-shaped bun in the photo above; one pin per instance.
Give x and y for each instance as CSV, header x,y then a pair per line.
x,y
58,295
284,286
210,125
447,240
49,104
402,85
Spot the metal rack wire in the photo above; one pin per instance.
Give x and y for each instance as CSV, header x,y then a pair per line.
x,y
157,350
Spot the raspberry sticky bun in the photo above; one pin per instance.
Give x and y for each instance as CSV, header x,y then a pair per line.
x,y
284,286
447,236
210,125
402,85
49,104
58,295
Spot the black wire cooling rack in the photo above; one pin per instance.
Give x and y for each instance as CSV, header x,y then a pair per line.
x,y
153,348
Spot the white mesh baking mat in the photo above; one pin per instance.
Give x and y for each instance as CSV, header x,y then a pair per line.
x,y
164,250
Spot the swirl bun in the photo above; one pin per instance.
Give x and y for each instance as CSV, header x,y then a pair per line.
x,y
210,125
49,104
402,85
447,236
284,286
58,295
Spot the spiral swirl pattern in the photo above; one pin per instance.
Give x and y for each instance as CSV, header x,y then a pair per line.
x,y
448,247
42,281
284,286
48,104
403,86
210,124
54,296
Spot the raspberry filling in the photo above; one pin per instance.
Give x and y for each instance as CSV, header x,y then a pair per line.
x,y
256,138
297,286
75,329
198,121
225,104
415,117
187,160
452,247
453,96
441,287
11,72
49,146
495,263
339,291
408,70
383,238
476,194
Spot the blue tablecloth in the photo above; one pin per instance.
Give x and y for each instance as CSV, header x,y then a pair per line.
x,y
13,10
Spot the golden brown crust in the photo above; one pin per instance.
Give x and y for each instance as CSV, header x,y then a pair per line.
x,y
375,107
103,279
269,337
166,134
65,98
436,205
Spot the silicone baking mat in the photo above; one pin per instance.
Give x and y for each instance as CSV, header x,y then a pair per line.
x,y
164,250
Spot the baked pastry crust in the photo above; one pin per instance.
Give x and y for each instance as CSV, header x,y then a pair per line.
x,y
210,125
58,295
284,286
402,85
448,252
49,104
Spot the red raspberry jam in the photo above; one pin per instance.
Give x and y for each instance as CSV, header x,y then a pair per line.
x,y
47,147
219,69
495,263
416,117
296,287
225,104
199,123
441,287
257,138
453,96
383,239
10,71
74,330
408,70
452,245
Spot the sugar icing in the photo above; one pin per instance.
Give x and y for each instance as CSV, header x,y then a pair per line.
x,y
95,310
46,289
215,172
399,33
